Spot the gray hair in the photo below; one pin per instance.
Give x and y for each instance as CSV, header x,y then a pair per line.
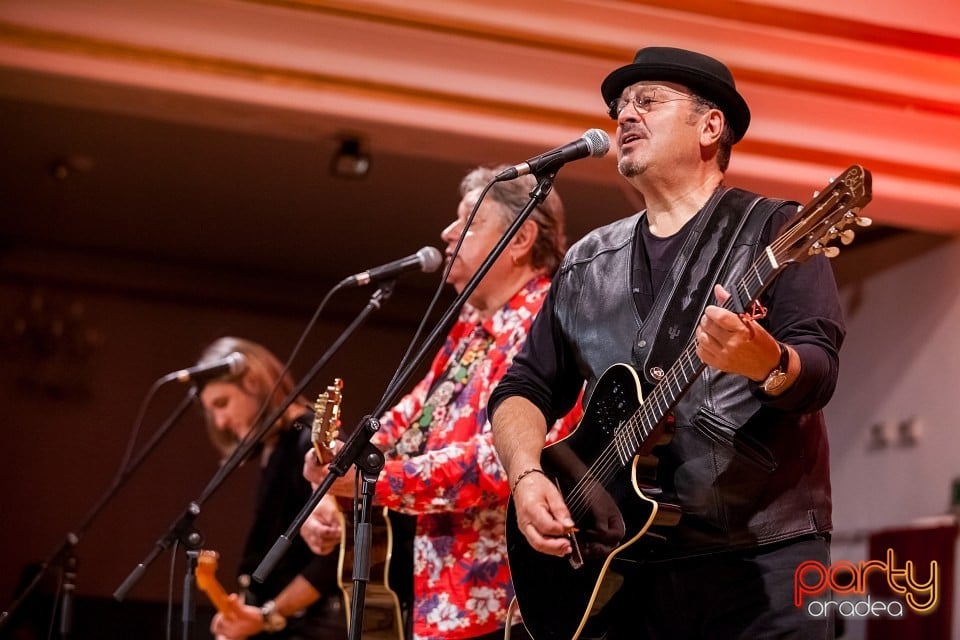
x,y
724,146
513,195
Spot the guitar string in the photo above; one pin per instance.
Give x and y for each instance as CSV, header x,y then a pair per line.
x,y
609,462
628,437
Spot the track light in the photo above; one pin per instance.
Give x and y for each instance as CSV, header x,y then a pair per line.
x,y
351,159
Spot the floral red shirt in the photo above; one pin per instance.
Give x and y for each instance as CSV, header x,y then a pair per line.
x,y
441,466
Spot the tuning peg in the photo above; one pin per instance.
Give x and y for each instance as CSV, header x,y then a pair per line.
x,y
863,221
831,252
846,236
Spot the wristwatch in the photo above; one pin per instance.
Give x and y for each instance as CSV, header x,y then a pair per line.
x,y
776,378
273,620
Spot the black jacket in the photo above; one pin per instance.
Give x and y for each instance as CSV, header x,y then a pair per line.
x,y
745,469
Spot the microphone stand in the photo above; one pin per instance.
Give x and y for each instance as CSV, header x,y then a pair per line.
x,y
65,556
183,528
359,442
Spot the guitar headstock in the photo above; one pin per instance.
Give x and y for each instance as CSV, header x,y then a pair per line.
x,y
206,565
206,574
206,570
326,421
826,218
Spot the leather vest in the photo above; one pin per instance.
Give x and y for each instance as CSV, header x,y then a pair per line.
x,y
744,474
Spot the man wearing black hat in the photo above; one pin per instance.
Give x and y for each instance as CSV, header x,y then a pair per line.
x,y
747,463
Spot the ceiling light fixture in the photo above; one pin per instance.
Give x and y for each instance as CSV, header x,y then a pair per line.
x,y
351,159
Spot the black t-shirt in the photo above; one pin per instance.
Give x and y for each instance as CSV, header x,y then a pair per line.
x,y
545,372
281,493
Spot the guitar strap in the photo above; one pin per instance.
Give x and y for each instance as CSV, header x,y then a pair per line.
x,y
678,306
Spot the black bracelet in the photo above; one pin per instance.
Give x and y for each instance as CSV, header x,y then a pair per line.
x,y
524,475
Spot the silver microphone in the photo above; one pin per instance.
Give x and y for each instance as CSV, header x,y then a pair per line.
x,y
593,143
427,260
232,364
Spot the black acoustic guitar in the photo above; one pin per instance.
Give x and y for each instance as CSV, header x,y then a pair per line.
x,y
603,469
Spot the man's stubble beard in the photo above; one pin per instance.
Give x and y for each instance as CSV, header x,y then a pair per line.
x,y
629,168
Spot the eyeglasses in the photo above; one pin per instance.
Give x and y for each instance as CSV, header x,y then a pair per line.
x,y
642,103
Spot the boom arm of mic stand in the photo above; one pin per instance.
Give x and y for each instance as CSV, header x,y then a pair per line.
x,y
537,195
185,522
376,300
65,556
181,530
360,437
357,445
359,441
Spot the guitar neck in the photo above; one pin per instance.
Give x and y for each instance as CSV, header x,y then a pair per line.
x,y
208,583
560,597
688,367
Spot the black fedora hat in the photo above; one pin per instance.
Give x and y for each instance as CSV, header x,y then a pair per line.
x,y
706,76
